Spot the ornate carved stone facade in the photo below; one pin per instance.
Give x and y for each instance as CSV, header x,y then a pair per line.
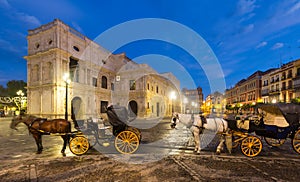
x,y
98,78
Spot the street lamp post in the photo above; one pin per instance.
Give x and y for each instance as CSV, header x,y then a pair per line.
x,y
67,81
20,94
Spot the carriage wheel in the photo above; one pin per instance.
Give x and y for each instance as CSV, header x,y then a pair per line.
x,y
127,142
274,142
296,142
79,145
136,131
92,138
251,146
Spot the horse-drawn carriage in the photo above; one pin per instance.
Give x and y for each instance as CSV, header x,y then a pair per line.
x,y
126,140
273,122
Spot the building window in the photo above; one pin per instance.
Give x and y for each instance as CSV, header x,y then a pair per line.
x,y
37,45
298,71
112,86
94,82
148,86
157,89
290,74
76,48
35,73
132,84
50,42
290,84
104,82
103,106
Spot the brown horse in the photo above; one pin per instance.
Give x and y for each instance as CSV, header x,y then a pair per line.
x,y
41,126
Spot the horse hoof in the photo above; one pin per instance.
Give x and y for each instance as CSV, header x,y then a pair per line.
x,y
218,153
64,154
38,152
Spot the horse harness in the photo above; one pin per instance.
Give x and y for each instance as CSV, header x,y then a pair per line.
x,y
39,121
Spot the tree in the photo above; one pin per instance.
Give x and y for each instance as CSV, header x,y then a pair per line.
x,y
296,100
14,86
3,91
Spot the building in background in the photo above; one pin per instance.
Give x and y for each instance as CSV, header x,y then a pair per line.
x,y
214,103
282,84
246,91
97,78
192,100
274,85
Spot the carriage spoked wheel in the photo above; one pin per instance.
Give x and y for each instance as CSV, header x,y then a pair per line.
x,y
296,142
92,138
274,142
127,142
136,131
251,146
79,145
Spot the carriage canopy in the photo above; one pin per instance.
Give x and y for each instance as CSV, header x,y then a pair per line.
x,y
117,115
281,114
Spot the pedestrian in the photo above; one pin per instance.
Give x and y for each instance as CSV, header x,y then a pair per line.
x,y
174,119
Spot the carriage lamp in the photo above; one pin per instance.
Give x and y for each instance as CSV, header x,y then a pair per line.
x,y
67,81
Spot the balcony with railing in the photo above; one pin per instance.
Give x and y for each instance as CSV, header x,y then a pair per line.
x,y
296,83
265,92
275,91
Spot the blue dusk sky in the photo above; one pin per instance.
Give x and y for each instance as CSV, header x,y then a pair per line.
x,y
243,35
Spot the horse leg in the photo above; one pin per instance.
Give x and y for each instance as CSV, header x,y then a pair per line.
x,y
38,141
196,133
65,138
221,145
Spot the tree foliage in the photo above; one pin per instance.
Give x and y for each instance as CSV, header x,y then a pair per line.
x,y
12,87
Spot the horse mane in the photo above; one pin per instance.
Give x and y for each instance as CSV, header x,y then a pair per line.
x,y
24,119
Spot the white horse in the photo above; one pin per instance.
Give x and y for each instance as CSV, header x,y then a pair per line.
x,y
208,127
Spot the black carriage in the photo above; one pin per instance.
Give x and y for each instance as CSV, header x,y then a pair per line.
x,y
274,122
126,140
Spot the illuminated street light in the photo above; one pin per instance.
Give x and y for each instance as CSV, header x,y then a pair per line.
x,y
172,97
67,81
20,94
185,101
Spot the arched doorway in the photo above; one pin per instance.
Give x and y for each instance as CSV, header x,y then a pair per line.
x,y
77,108
133,108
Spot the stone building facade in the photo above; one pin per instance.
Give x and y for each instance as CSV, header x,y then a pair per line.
x,y
214,103
274,85
97,77
192,100
282,84
246,91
